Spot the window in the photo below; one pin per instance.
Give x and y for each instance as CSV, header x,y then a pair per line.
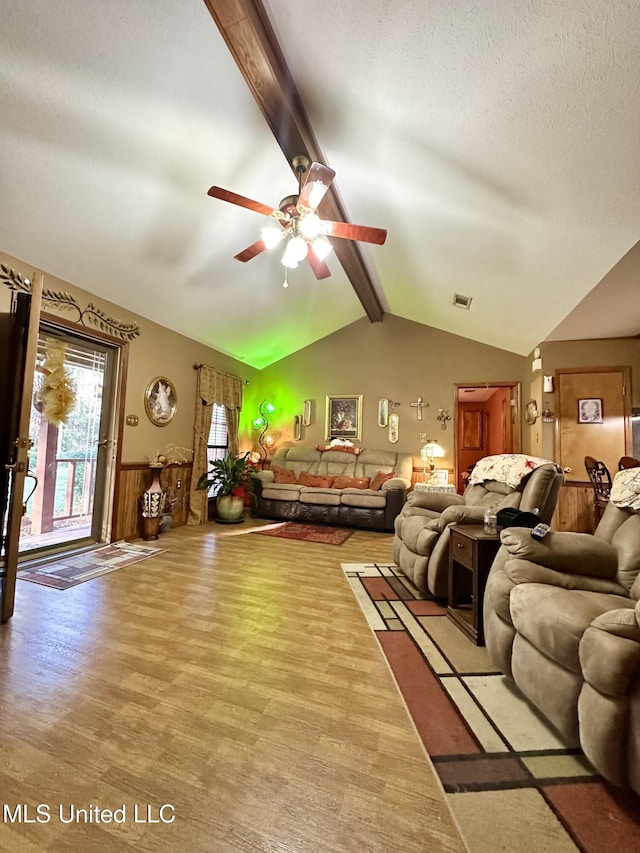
x,y
218,443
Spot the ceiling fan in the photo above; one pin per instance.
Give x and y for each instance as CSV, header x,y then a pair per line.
x,y
299,224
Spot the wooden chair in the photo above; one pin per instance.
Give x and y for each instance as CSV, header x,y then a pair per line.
x,y
628,462
601,482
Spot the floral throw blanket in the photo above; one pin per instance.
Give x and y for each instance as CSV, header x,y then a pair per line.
x,y
509,468
625,490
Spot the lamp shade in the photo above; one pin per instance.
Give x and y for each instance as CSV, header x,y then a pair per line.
x,y
431,450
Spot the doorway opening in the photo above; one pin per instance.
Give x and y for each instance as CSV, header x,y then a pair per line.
x,y
487,422
67,491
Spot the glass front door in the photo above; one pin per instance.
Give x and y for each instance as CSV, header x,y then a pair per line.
x,y
71,427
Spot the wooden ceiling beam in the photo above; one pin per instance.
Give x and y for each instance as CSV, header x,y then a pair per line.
x,y
247,32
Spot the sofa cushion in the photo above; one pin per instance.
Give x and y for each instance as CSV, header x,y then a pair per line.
x,y
281,491
315,480
364,497
283,475
554,620
350,482
380,478
327,497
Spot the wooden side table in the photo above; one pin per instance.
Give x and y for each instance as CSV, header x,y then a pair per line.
x,y
471,553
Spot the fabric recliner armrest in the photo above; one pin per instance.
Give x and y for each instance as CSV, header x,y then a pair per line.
x,y
524,571
461,514
264,476
395,483
436,501
573,553
610,652
624,622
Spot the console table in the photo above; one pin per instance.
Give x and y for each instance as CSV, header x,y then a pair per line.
x,y
471,553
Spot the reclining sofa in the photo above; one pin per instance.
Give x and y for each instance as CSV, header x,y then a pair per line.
x,y
421,543
346,488
562,620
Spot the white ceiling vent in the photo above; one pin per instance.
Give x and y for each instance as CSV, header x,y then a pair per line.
x,y
461,301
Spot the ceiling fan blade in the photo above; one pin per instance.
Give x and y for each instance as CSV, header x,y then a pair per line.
x,y
320,269
251,251
364,233
317,183
243,201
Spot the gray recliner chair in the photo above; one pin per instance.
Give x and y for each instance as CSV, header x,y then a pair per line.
x,y
562,620
421,541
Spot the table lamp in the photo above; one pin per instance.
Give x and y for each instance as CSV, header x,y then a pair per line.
x,y
429,453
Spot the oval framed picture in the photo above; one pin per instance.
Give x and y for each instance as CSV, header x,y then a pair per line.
x,y
160,401
532,412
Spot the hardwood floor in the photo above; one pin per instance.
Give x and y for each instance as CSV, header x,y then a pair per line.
x,y
232,678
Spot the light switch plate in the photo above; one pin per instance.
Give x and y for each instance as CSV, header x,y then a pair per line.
x,y
423,438
132,420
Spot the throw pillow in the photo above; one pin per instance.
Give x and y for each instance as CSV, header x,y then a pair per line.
x,y
351,482
380,478
283,475
314,480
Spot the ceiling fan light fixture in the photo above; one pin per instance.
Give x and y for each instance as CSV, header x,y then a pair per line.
x,y
310,225
272,235
321,248
295,252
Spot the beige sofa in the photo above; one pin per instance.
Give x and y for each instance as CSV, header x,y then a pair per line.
x,y
369,508
562,620
421,542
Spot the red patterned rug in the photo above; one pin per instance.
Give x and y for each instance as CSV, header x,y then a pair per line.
x,y
510,782
306,532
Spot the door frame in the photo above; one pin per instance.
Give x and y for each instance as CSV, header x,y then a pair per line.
x,y
625,370
116,426
516,415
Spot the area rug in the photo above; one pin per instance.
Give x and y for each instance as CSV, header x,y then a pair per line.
x,y
72,570
306,532
510,782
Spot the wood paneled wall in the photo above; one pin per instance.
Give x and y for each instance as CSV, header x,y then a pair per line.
x,y
133,480
575,509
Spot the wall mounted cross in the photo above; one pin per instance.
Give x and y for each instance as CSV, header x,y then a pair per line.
x,y
419,405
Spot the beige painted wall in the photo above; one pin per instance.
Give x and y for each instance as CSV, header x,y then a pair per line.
x,y
156,352
398,359
556,355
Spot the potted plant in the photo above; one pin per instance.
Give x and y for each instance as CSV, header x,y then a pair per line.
x,y
229,476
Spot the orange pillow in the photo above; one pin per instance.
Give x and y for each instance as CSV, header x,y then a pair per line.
x,y
350,482
381,478
314,480
283,475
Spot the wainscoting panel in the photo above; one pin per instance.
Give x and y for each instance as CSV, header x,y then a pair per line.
x,y
133,480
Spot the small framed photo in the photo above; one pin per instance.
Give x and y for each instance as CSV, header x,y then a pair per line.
x,y
441,476
590,411
160,400
344,417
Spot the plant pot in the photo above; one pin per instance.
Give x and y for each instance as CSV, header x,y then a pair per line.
x,y
229,509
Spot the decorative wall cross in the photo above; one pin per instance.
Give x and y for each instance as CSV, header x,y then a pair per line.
x,y
419,405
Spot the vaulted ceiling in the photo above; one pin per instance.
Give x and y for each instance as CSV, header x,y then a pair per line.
x,y
496,142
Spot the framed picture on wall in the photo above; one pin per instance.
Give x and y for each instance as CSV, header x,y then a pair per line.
x,y
590,410
344,417
160,400
440,476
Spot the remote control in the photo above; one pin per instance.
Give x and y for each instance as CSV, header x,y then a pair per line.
x,y
540,531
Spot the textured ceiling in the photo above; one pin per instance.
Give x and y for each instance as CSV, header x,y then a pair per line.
x,y
497,142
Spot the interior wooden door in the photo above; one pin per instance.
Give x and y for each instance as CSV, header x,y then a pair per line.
x,y
608,437
17,360
473,432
